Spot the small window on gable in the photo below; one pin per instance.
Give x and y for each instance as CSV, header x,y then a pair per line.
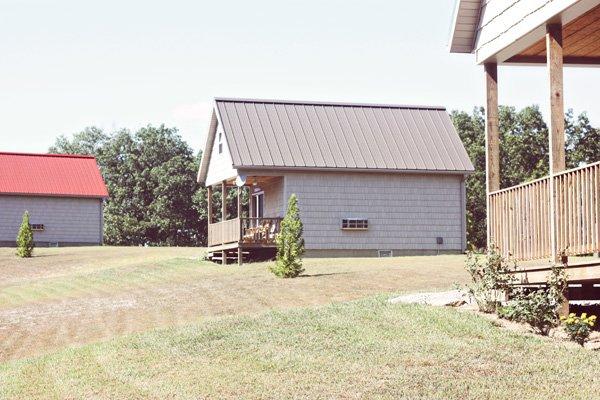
x,y
37,227
220,142
355,224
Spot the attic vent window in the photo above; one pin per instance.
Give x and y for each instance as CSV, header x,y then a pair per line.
x,y
37,227
220,142
355,224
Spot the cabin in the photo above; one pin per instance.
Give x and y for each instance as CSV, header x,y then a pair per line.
x,y
63,193
371,180
556,217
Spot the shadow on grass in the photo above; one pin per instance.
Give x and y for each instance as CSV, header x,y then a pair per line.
x,y
318,275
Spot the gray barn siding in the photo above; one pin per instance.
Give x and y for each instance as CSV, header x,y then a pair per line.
x,y
406,212
66,220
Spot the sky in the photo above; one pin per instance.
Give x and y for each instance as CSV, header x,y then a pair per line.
x,y
66,65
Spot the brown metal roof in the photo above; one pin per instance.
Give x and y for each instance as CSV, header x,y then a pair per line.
x,y
320,135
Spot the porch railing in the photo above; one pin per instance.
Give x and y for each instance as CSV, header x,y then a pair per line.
x,y
519,216
260,230
224,232
244,230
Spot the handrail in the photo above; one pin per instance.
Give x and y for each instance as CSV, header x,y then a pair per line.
x,y
544,177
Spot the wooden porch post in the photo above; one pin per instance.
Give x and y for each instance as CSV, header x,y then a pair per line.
x,y
209,193
554,54
492,139
554,60
239,215
224,214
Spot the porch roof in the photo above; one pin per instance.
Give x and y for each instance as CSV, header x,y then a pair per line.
x,y
513,31
272,134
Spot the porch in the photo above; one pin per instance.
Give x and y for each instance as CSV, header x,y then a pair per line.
x,y
555,218
249,232
522,219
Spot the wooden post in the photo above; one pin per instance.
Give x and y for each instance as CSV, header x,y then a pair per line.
x,y
239,214
209,193
224,215
554,51
554,54
492,139
554,60
223,201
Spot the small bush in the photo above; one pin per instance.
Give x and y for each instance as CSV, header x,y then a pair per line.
x,y
508,312
579,328
290,244
540,308
490,279
25,238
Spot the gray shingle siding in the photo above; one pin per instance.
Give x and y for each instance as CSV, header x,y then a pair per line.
x,y
274,206
66,220
406,212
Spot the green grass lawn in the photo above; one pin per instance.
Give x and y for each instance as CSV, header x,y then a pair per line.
x,y
360,349
124,323
67,297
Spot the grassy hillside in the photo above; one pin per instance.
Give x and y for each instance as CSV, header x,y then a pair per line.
x,y
360,349
72,296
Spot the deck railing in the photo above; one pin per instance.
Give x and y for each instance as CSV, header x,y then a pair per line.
x,y
260,231
224,232
520,215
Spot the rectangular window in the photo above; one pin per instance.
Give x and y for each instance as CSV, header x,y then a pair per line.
x,y
37,227
355,224
220,148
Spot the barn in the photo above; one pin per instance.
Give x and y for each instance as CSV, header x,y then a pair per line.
x,y
63,193
371,179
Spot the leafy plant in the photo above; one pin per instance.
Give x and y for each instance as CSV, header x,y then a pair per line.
x,y
290,244
490,279
508,312
25,238
540,308
579,328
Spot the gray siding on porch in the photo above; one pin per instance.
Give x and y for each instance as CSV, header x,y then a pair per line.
x,y
274,204
66,220
405,211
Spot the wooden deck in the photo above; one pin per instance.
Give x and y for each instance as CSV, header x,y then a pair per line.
x,y
242,234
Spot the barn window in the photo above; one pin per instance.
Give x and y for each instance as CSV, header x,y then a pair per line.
x,y
37,227
355,224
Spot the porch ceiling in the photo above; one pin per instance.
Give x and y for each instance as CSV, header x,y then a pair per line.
x,y
581,43
261,180
254,180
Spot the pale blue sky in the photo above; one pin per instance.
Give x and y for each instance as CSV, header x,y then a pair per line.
x,y
65,65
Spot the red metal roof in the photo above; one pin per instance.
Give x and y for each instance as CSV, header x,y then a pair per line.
x,y
50,175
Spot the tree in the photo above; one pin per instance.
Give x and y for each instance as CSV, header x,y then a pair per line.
x,y
583,141
290,244
151,179
25,238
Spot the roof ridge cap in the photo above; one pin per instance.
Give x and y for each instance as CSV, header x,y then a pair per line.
x,y
65,155
330,103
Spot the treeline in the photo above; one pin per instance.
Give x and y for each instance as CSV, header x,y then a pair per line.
x,y
151,179
155,199
523,153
